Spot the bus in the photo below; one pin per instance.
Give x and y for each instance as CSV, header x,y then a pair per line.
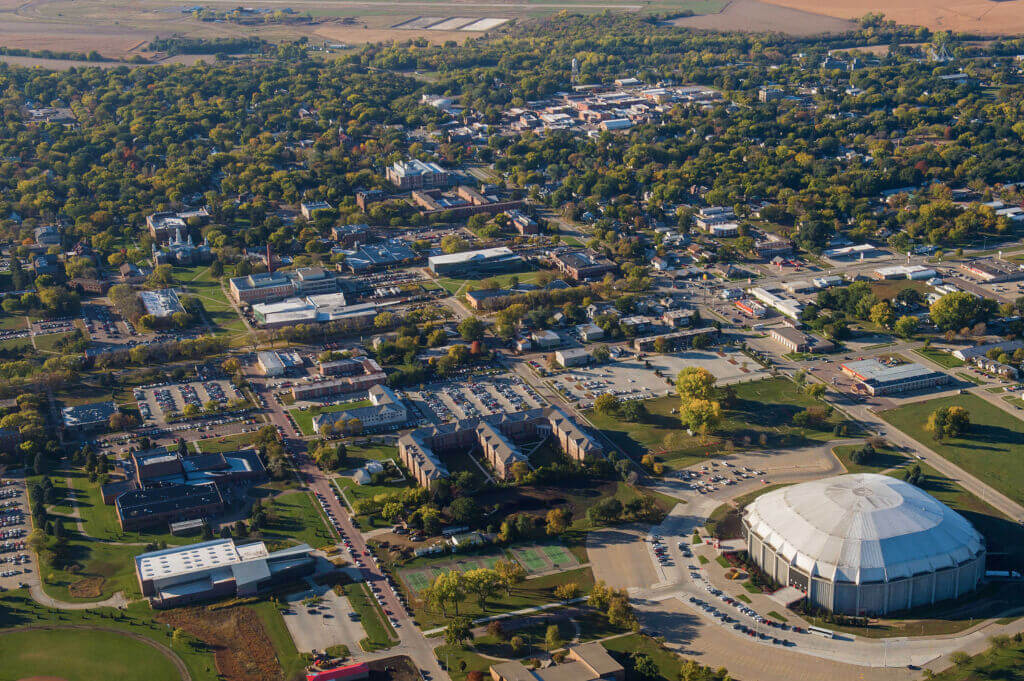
x,y
821,631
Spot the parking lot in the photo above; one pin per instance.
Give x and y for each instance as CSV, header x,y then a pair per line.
x,y
448,401
15,557
103,325
157,403
320,619
654,375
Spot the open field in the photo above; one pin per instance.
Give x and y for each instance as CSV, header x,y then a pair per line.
x,y
84,656
762,416
119,29
304,417
757,16
974,16
992,449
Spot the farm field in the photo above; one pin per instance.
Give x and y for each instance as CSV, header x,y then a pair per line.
x,y
972,16
754,15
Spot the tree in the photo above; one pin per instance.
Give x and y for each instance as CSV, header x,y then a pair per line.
x,y
695,383
882,314
391,511
557,521
510,572
601,354
448,588
645,667
471,329
567,592
961,309
815,390
458,631
633,410
606,403
483,583
453,243
553,637
948,422
606,510
906,326
465,511
518,644
701,416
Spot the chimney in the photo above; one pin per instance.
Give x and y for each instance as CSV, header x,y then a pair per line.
x,y
270,259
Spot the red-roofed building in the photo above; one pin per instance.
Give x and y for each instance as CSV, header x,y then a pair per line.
x,y
352,672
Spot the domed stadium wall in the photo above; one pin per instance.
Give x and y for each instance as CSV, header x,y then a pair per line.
x,y
864,544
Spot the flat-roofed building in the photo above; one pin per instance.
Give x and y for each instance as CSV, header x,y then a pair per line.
x,y
386,412
573,357
880,379
590,332
416,174
217,569
993,270
88,417
164,504
369,374
795,340
675,340
488,260
161,304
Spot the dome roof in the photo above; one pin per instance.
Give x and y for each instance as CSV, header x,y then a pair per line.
x,y
862,528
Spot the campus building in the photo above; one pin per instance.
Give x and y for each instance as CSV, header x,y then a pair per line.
x,y
584,662
994,271
386,412
217,569
88,417
583,265
274,364
419,448
864,544
343,376
486,261
161,304
267,287
878,379
416,174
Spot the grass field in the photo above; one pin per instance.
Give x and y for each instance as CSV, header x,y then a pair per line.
x,y
201,283
622,649
296,516
762,416
940,357
992,450
230,443
456,286
84,656
304,417
999,663
103,656
883,459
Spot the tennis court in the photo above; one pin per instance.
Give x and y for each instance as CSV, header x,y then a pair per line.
x,y
418,579
545,558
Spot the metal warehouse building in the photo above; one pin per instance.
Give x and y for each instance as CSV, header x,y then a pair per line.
x,y
864,544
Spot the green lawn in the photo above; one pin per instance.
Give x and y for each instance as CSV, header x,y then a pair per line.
x,y
82,656
762,416
48,342
97,657
201,283
296,516
940,357
458,286
460,662
379,632
882,460
358,455
622,649
9,322
304,417
971,378
532,592
999,663
228,443
992,449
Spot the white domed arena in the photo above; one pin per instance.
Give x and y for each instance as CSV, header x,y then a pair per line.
x,y
864,544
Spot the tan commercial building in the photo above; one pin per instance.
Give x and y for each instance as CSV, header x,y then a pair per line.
x,y
585,662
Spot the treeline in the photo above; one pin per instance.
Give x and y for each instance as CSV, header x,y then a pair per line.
x,y
92,55
175,45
